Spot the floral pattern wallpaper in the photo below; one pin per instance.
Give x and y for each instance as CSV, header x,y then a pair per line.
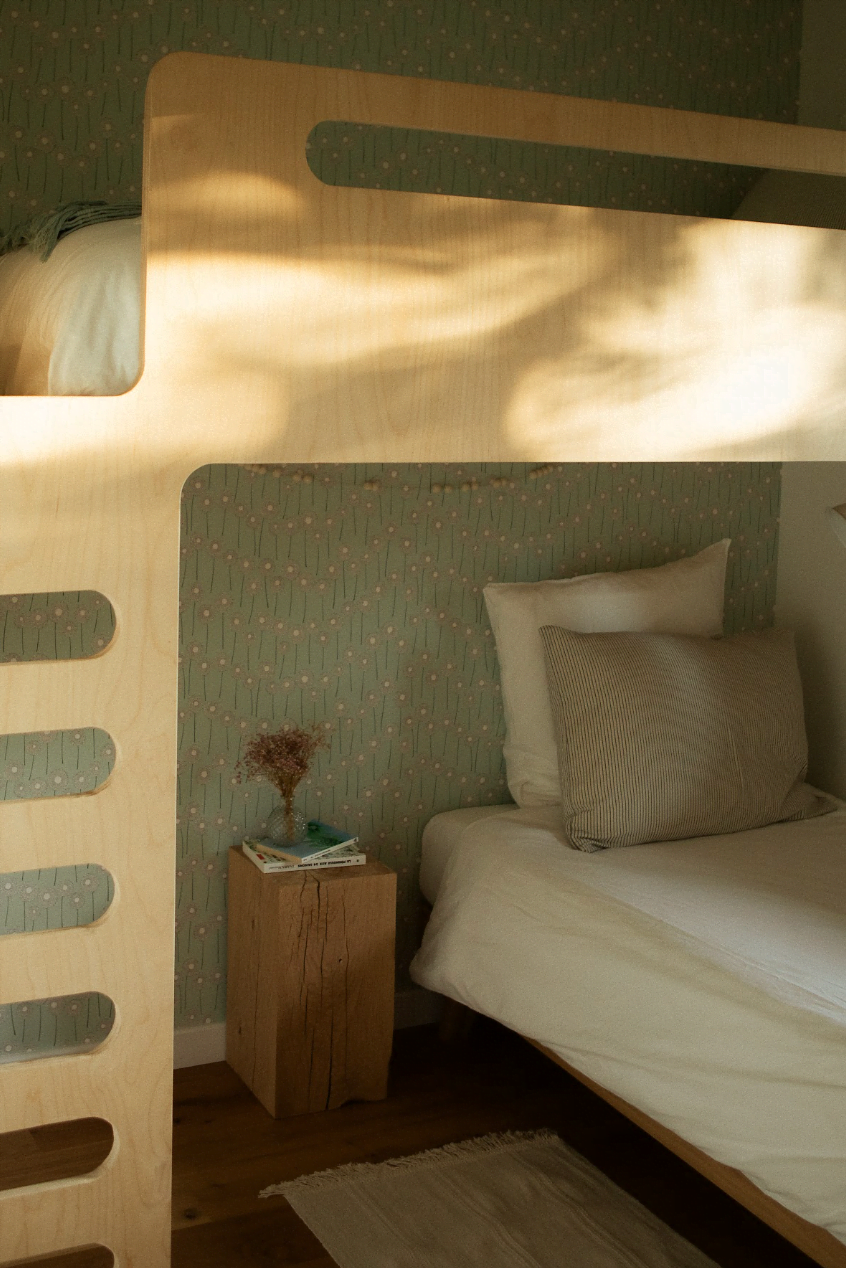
x,y
54,762
54,626
73,74
441,162
351,596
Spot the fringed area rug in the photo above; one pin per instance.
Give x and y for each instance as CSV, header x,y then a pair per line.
x,y
520,1200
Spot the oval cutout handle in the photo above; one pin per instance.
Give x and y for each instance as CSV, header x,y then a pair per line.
x,y
62,625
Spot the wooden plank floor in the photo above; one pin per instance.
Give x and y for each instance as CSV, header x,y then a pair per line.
x,y
227,1148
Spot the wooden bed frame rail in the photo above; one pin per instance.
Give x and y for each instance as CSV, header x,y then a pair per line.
x,y
288,321
822,1247
456,1023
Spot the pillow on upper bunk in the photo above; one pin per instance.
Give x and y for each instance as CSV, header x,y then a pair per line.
x,y
72,326
683,597
662,737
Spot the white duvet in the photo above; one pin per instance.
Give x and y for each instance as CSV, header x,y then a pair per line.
x,y
71,325
703,981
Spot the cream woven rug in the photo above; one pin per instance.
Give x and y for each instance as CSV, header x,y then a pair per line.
x,y
521,1200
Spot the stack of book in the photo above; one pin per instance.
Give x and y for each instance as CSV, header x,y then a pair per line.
x,y
323,847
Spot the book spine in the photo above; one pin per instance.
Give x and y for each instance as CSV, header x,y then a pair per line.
x,y
276,866
308,867
278,855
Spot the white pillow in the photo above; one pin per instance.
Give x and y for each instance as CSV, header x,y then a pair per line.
x,y
72,325
683,597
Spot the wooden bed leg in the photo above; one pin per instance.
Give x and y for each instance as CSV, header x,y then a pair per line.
x,y
456,1022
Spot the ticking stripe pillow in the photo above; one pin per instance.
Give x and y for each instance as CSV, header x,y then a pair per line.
x,y
664,736
684,596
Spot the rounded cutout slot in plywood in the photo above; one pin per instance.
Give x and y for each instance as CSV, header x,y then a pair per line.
x,y
54,898
55,1151
54,763
55,1027
63,625
372,156
82,1257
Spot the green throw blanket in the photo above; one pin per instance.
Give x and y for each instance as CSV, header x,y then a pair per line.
x,y
41,233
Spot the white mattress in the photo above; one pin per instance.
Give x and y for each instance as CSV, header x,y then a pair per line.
x,y
71,325
441,836
703,981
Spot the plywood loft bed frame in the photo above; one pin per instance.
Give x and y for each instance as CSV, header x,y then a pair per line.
x,y
287,321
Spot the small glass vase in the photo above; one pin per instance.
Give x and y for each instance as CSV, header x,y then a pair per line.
x,y
287,825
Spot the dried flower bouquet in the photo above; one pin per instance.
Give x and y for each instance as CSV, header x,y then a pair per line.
x,y
283,758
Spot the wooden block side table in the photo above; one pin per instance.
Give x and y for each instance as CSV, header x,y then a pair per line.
x,y
310,983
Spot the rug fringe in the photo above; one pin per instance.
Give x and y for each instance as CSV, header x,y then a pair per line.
x,y
454,1152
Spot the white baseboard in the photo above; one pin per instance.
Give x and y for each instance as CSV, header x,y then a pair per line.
x,y
201,1045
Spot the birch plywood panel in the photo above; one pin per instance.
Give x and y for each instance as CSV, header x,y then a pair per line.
x,y
288,321
69,522
374,325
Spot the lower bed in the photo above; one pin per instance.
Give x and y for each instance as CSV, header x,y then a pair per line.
x,y
701,981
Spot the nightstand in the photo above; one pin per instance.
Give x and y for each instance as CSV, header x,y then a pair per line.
x,y
310,983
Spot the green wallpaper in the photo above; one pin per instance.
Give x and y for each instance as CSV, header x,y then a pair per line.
x,y
73,73
54,763
69,1023
352,596
58,898
440,162
345,594
62,626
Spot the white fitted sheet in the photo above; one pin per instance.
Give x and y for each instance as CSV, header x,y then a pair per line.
x,y
703,981
441,836
71,325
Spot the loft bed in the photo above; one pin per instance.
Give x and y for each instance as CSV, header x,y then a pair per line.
x,y
290,321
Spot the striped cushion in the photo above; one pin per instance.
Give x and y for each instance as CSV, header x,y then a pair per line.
x,y
664,736
684,596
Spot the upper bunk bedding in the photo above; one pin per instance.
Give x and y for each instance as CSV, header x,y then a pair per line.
x,y
701,980
71,325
